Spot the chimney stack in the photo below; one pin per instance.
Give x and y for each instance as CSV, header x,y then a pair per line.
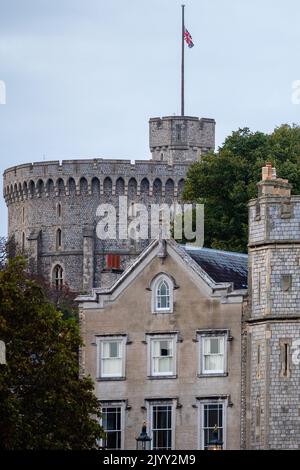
x,y
271,185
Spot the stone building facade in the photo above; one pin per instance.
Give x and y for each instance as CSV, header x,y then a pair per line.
x,y
52,212
272,323
260,388
52,206
173,363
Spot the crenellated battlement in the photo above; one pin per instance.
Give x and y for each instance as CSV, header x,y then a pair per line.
x,y
88,176
181,138
53,205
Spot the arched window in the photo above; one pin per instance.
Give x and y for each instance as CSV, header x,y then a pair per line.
x,y
58,239
58,277
162,294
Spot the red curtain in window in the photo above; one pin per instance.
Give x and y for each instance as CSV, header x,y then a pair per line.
x,y
112,261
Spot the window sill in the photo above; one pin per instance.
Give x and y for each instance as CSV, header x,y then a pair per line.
x,y
162,312
162,377
220,374
110,379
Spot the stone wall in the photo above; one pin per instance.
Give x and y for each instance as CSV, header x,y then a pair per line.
x,y
43,198
273,321
181,138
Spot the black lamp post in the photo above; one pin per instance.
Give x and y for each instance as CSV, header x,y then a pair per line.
x,y
143,442
215,443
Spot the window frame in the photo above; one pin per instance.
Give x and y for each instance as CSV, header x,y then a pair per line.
x,y
154,287
106,339
58,281
202,335
211,401
114,404
161,337
163,402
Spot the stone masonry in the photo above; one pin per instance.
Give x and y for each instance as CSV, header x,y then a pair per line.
x,y
52,205
181,138
272,414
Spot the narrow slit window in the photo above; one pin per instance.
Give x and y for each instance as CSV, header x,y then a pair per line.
x,y
23,242
285,359
58,239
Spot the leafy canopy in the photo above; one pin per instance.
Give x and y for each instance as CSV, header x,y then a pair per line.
x,y
43,402
226,180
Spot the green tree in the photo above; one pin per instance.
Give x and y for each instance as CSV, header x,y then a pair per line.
x,y
43,402
226,180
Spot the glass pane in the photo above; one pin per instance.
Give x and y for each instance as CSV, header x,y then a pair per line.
x,y
165,348
213,363
114,349
206,345
113,440
156,348
165,365
111,422
162,302
213,417
163,289
163,295
155,365
214,346
112,367
162,426
220,423
105,349
163,439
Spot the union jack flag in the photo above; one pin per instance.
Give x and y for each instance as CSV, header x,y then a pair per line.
x,y
188,38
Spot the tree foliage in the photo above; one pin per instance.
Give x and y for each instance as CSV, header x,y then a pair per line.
x,y
226,180
43,402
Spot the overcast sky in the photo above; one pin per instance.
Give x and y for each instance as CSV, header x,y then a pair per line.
x,y
84,76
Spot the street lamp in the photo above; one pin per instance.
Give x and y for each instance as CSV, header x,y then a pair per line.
x,y
215,443
143,441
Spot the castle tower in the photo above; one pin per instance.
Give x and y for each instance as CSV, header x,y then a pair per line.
x,y
52,206
179,139
272,368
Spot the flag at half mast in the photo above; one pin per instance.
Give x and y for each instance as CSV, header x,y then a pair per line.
x,y
188,38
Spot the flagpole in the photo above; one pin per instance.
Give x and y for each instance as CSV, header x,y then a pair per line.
x,y
182,62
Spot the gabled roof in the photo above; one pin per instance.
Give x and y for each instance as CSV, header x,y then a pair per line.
x,y
220,273
222,266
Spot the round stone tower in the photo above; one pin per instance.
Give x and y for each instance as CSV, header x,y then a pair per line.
x,y
52,206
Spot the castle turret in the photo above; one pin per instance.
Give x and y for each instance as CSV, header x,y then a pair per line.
x,y
273,325
53,206
181,138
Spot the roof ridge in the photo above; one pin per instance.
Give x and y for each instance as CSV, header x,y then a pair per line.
x,y
197,248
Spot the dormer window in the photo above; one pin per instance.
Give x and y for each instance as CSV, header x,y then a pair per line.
x,y
162,294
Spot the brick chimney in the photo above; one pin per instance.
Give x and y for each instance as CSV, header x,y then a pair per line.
x,y
271,185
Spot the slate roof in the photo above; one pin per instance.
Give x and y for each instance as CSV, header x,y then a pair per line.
x,y
222,266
